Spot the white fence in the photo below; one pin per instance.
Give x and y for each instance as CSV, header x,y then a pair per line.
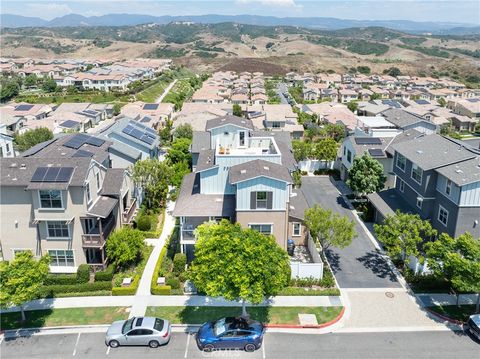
x,y
417,267
307,270
313,165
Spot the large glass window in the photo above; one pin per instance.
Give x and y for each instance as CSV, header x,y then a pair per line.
x,y
448,187
61,258
262,228
297,229
51,199
443,215
349,156
262,199
57,229
401,162
417,173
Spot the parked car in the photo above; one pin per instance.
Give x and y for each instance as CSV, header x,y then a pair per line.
x,y
473,325
149,331
230,333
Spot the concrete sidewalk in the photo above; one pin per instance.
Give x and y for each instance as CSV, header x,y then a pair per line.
x,y
430,300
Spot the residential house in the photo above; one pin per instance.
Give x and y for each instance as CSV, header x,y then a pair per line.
x,y
405,120
469,107
153,115
6,142
347,95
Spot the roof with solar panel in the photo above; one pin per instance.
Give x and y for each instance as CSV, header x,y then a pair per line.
x,y
127,130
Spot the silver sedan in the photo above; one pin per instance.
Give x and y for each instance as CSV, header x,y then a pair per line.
x,y
149,331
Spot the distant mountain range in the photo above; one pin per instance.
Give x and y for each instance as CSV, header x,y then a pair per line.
x,y
71,20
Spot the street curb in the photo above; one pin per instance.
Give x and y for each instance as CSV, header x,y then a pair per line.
x,y
443,317
319,326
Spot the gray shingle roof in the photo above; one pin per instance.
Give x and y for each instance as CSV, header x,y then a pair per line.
x,y
258,168
191,203
462,173
298,204
113,181
229,119
387,202
401,118
433,151
206,160
200,141
103,206
402,137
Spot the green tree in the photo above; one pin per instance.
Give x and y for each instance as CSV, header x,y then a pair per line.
x,y
352,106
375,96
180,151
326,150
301,150
458,261
32,137
238,264
153,177
179,170
183,131
21,279
117,107
366,175
124,247
364,70
442,102
328,228
30,80
166,133
49,85
403,234
393,71
9,89
336,131
237,110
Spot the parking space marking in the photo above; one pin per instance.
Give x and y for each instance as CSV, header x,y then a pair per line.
x,y
188,343
76,344
108,350
263,347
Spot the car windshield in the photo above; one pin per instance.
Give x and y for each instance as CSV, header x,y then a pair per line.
x,y
127,326
220,327
158,324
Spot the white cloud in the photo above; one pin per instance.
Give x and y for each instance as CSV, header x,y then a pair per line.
x,y
279,3
47,10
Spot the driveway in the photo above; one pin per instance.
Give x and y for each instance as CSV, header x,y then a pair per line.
x,y
281,89
359,265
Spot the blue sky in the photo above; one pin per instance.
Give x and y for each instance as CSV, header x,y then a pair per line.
x,y
424,10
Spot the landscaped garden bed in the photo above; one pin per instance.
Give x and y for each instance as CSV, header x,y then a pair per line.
x,y
63,317
460,313
268,315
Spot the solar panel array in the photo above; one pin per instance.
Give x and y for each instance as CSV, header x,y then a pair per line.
x,y
140,132
52,174
80,139
23,107
391,103
146,119
368,141
69,124
473,100
422,102
376,152
150,106
82,153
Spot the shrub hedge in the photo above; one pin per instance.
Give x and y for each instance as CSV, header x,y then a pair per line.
x,y
83,273
49,291
60,279
173,282
161,290
303,291
154,287
130,290
105,275
179,262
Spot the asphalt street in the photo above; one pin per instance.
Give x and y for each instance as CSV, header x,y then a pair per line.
x,y
404,345
281,89
359,265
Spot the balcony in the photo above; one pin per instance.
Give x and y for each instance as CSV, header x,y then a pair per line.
x,y
129,214
97,236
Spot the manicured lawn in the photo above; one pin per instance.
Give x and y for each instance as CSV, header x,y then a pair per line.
x,y
150,94
271,315
60,317
452,311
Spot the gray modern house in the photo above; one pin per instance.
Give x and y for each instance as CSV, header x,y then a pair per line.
x,y
438,178
243,176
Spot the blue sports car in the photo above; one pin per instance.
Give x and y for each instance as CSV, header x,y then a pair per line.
x,y
230,333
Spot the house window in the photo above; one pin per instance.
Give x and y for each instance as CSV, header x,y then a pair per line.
x,y
57,229
241,138
61,258
297,229
349,156
97,177
442,215
344,150
262,200
419,202
448,187
8,147
50,199
401,186
87,191
417,173
275,124
401,162
262,228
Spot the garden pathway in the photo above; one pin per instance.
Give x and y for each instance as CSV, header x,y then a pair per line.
x,y
166,91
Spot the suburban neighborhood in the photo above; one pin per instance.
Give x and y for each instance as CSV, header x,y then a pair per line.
x,y
149,207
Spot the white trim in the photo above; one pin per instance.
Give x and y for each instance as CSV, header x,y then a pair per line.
x,y
421,175
447,182
262,224
88,193
57,238
419,200
49,208
275,179
440,208
396,162
401,185
60,249
293,229
97,182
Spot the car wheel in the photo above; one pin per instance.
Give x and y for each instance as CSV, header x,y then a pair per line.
x,y
153,344
250,348
113,344
208,348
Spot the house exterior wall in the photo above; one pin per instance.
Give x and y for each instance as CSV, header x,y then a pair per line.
x,y
300,240
225,140
423,127
280,193
279,220
470,195
454,189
